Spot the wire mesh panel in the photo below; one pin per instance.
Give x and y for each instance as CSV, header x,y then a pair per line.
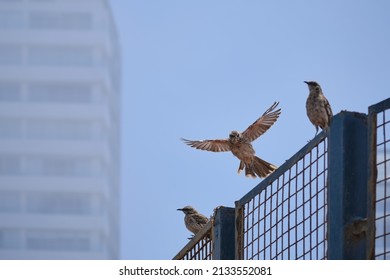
x,y
284,217
380,115
200,251
200,247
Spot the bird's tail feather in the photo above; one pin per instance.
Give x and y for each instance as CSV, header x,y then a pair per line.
x,y
259,167
263,168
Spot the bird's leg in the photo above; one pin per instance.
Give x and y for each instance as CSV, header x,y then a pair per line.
x,y
314,134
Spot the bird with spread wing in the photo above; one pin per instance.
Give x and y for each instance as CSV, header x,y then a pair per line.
x,y
240,144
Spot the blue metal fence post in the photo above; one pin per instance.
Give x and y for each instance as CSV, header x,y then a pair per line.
x,y
223,239
372,178
347,187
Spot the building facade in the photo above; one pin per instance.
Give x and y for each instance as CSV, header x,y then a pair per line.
x,y
59,130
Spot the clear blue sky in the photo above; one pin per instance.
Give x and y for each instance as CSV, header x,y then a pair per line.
x,y
199,69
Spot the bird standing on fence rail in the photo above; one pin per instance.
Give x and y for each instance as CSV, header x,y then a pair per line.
x,y
193,220
240,144
317,107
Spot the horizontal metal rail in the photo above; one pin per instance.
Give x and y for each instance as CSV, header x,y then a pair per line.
x,y
199,247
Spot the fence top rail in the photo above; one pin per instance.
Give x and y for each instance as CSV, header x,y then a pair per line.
x,y
379,107
196,239
283,168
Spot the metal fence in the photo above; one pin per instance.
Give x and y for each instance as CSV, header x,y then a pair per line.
x,y
331,200
200,247
215,241
284,217
379,120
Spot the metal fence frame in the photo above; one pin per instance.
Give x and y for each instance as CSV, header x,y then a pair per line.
x,y
350,220
199,247
348,193
281,233
379,137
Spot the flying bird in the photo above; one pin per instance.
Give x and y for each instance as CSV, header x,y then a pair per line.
x,y
240,144
193,220
317,106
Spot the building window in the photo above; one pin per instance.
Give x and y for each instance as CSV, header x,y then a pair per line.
x,y
10,202
10,165
62,166
61,129
57,240
58,203
72,21
61,93
60,56
10,128
10,239
11,19
10,55
10,91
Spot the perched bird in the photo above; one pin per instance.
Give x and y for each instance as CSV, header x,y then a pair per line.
x,y
317,107
240,145
193,220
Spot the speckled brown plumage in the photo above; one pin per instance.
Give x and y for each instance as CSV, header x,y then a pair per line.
x,y
317,107
193,220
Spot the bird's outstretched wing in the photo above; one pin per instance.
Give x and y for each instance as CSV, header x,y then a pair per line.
x,y
263,123
209,145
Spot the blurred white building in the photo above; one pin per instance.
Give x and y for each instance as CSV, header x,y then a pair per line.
x,y
59,130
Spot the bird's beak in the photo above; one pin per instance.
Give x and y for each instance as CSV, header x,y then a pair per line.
x,y
179,209
306,82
